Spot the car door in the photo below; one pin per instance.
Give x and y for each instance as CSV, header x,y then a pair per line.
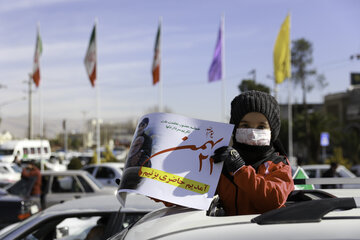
x,y
63,188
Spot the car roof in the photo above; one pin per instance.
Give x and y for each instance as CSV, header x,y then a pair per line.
x,y
66,172
182,223
112,164
105,203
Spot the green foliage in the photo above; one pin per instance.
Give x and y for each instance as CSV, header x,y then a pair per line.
x,y
108,156
339,158
250,84
75,163
301,59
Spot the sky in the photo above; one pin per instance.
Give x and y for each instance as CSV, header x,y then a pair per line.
x,y
126,36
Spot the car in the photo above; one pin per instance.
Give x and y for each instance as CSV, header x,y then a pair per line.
x,y
356,170
57,187
77,219
9,173
16,203
317,170
60,186
106,173
309,214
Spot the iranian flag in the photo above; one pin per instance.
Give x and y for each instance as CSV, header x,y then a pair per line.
x,y
90,58
156,61
36,66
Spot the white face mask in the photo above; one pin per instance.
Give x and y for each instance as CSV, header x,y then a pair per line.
x,y
255,137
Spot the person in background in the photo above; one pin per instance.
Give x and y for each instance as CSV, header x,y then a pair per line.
x,y
17,161
256,175
330,173
31,171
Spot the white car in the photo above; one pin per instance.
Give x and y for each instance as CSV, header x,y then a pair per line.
x,y
106,173
77,219
309,214
9,173
317,170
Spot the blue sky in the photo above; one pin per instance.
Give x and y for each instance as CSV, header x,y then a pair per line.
x,y
126,35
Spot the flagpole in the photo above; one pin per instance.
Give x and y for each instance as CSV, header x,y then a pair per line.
x,y
291,158
160,78
41,120
97,100
223,108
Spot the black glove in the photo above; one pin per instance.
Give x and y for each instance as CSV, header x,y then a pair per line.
x,y
231,158
130,178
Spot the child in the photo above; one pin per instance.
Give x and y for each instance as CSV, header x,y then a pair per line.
x,y
256,176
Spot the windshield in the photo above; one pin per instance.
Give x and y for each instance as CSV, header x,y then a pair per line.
x,y
6,151
16,168
94,180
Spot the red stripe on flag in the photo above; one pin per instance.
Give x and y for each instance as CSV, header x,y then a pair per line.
x,y
92,77
36,77
156,74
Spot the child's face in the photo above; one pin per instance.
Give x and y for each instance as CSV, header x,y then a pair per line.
x,y
254,120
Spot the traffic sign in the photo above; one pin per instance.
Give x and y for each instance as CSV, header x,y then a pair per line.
x,y
324,139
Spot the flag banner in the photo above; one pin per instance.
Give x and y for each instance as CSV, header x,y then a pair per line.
x,y
282,53
90,58
36,65
170,159
215,71
156,61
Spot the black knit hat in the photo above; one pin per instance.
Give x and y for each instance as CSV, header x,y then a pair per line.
x,y
256,101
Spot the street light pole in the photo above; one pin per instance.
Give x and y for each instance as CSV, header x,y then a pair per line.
x,y
30,133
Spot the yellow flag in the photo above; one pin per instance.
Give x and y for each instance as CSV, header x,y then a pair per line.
x,y
282,53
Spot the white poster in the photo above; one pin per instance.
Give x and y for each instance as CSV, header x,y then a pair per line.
x,y
169,159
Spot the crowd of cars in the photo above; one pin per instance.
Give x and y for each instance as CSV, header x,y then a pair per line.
x,y
80,203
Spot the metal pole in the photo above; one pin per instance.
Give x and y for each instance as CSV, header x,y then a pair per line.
x,y
30,109
161,107
97,102
291,157
223,68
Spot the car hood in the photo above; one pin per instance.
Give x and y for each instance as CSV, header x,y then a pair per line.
x,y
10,198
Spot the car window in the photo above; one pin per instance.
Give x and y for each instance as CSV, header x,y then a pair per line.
x,y
65,184
89,169
85,184
342,173
130,218
68,228
311,173
104,172
3,170
16,168
6,151
94,180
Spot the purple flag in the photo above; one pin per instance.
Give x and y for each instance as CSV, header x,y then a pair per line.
x,y
215,72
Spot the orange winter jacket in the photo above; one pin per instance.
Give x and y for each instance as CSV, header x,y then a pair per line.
x,y
251,192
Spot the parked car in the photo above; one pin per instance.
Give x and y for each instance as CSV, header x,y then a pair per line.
x,y
317,171
106,173
57,187
60,186
356,169
16,203
76,219
9,173
309,214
